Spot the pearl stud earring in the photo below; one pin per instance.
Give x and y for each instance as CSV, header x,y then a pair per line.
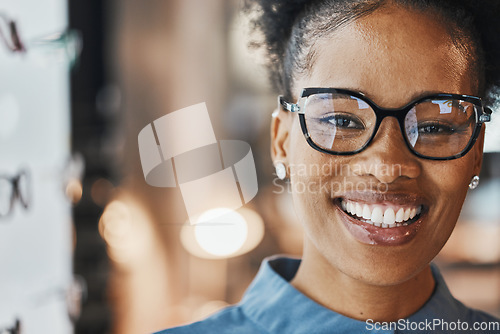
x,y
280,170
474,182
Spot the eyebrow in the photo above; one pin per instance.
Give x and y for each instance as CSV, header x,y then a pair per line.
x,y
411,98
421,94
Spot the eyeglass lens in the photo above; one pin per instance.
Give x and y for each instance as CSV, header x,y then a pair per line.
x,y
437,127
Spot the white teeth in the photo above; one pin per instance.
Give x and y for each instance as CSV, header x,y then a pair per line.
x,y
407,214
400,215
350,208
359,210
367,214
389,217
378,217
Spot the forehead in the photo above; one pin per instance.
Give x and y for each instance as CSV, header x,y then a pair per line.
x,y
393,55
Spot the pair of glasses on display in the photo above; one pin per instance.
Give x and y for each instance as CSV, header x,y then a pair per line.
x,y
12,41
57,47
343,122
12,189
14,329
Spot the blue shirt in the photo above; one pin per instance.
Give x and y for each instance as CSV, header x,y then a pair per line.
x,y
272,305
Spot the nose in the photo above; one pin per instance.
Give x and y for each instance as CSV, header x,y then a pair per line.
x,y
388,158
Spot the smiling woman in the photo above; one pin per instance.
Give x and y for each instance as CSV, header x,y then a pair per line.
x,y
395,93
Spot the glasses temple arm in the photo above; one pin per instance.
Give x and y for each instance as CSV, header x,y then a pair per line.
x,y
486,116
291,107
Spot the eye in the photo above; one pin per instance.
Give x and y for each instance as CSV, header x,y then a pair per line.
x,y
344,121
435,128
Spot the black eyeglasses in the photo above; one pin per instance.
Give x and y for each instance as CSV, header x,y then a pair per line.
x,y
12,188
14,329
12,42
343,122
54,48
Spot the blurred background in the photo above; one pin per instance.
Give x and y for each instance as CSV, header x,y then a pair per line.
x,y
88,246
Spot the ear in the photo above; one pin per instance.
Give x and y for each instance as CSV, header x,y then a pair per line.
x,y
478,152
280,136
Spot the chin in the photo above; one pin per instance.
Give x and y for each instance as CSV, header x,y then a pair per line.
x,y
379,265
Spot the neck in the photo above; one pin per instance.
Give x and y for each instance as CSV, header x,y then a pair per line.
x,y
328,286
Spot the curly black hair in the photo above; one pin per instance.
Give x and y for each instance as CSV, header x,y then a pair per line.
x,y
286,28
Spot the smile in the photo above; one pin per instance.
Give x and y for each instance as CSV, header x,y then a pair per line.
x,y
384,216
388,219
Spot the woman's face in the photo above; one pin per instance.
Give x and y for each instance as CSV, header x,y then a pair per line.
x,y
393,56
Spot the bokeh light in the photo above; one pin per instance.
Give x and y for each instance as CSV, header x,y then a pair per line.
x,y
237,233
221,231
74,190
124,229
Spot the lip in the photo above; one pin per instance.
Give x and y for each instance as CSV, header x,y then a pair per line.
x,y
373,235
398,198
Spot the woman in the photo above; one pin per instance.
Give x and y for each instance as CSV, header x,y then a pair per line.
x,y
389,127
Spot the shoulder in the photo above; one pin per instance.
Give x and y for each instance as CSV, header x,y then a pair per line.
x,y
446,314
449,305
229,320
478,316
477,321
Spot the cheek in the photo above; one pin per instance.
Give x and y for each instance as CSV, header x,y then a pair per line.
x,y
305,176
447,179
314,179
447,182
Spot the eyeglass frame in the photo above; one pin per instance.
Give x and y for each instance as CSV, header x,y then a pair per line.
x,y
17,44
16,193
70,39
483,115
14,329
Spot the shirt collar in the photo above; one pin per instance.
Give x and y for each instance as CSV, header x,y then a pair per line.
x,y
274,304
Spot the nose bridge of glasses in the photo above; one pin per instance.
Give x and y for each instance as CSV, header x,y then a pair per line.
x,y
389,127
399,114
388,148
390,114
